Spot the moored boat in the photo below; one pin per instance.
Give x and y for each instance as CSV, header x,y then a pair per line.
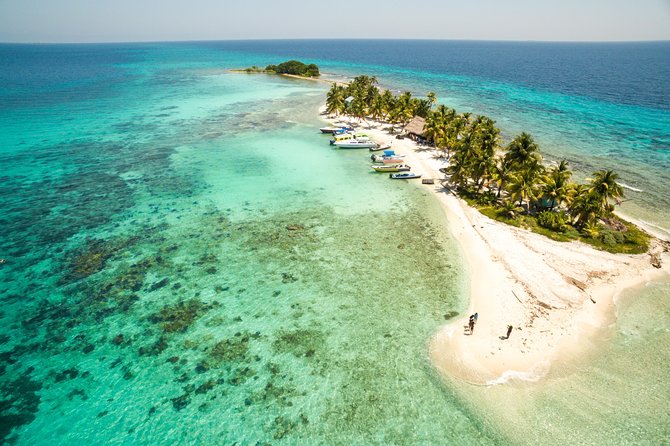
x,y
390,167
387,157
390,159
347,136
336,130
404,176
384,147
356,143
385,154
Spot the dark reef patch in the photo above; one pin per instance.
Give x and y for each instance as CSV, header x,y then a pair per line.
x,y
178,318
19,404
301,343
233,349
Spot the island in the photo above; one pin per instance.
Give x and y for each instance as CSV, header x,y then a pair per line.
x,y
290,67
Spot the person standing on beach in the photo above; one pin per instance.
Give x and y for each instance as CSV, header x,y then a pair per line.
x,y
509,331
471,324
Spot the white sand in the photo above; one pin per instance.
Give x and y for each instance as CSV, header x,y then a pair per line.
x,y
558,296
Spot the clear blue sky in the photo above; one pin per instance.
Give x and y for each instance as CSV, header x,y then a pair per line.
x,y
154,20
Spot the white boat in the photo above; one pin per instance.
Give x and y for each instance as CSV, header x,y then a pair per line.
x,y
346,136
404,175
384,147
378,157
390,168
356,143
390,159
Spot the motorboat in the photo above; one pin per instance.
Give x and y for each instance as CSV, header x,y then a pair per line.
x,y
384,147
356,143
346,136
390,159
390,167
404,176
336,130
385,154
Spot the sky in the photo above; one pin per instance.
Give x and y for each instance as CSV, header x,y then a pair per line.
x,y
172,20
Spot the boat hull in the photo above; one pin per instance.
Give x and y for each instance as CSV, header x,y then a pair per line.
x,y
350,145
391,168
404,176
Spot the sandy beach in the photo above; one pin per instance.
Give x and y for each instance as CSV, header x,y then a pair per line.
x,y
559,297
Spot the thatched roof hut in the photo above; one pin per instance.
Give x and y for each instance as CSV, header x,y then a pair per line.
x,y
416,127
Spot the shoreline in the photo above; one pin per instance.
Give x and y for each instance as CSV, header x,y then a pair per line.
x,y
558,296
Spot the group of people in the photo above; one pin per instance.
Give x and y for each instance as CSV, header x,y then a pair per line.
x,y
473,320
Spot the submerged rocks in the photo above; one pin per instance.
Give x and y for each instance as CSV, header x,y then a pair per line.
x,y
19,405
181,402
301,343
179,317
288,278
234,349
93,256
160,284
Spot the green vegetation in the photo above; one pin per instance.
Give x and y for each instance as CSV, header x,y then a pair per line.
x,y
508,183
361,98
294,67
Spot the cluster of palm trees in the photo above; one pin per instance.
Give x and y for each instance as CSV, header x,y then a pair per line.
x,y
513,178
517,175
361,98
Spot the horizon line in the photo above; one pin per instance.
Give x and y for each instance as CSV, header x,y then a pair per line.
x,y
107,42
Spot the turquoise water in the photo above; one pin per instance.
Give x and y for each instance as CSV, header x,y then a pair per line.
x,y
188,261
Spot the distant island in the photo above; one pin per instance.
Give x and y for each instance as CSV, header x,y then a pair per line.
x,y
292,67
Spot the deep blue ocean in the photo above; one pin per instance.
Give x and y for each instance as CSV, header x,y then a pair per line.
x,y
187,261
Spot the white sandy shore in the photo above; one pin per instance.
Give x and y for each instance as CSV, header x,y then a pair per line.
x,y
557,296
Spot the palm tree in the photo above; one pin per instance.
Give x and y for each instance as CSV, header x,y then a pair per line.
x,y
584,205
376,108
421,107
501,174
523,186
605,187
335,99
432,98
556,184
483,149
458,170
523,151
387,103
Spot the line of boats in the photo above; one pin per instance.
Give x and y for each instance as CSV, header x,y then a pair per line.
x,y
386,161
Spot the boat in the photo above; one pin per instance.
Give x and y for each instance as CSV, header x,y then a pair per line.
x,y
390,167
404,176
356,143
385,154
384,147
390,159
346,136
338,130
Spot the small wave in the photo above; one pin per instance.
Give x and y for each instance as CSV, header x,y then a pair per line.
x,y
634,189
537,373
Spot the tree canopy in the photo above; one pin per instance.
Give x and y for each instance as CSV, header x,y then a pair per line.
x,y
295,67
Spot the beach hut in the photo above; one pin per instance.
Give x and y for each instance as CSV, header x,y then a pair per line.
x,y
416,128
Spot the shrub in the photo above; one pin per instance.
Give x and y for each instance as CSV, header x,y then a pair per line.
x,y
556,221
608,238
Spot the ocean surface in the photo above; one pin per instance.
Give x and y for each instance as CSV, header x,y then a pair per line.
x,y
187,260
